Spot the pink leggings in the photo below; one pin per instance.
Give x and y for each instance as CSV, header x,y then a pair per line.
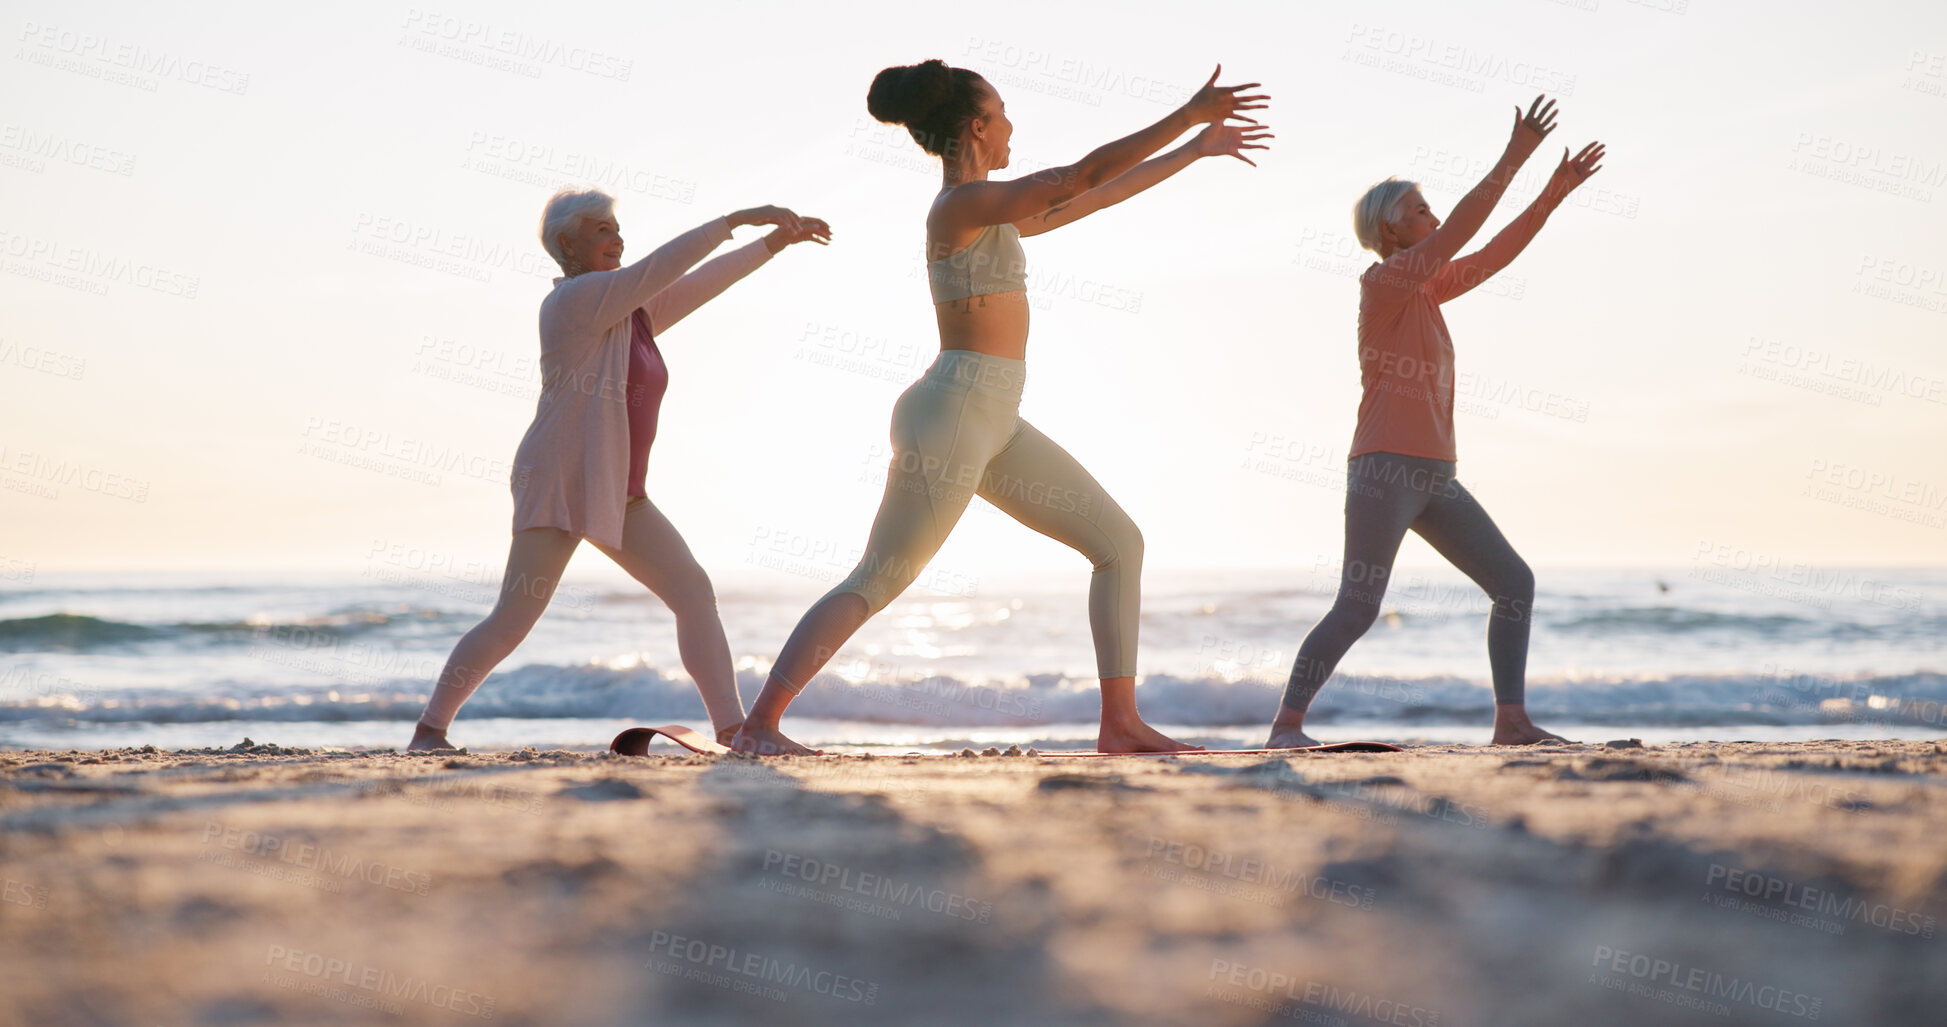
x,y
654,554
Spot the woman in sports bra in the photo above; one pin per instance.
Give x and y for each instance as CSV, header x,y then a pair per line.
x,y
957,432
1400,472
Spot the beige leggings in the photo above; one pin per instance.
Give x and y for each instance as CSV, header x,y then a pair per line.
x,y
958,433
653,554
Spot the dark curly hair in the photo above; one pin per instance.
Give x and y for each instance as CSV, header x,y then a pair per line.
x,y
935,102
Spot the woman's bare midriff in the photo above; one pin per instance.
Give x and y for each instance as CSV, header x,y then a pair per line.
x,y
995,324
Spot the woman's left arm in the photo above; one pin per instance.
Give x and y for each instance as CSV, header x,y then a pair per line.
x,y
709,281
1215,140
1464,273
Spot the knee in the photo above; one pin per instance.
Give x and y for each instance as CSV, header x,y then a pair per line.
x,y
505,628
1516,584
1121,545
856,606
691,593
1126,542
1353,614
850,607
875,583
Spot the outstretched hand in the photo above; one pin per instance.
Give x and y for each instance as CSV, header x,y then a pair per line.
x,y
766,215
1216,104
1575,171
1530,129
1219,140
807,229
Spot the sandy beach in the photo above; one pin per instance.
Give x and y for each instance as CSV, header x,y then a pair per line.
x,y
959,375
1721,883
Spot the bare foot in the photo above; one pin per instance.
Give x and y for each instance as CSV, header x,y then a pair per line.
x,y
729,733
1532,735
1512,727
1289,738
428,739
1138,737
768,741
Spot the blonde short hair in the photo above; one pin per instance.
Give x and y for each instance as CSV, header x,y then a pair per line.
x,y
1379,205
564,213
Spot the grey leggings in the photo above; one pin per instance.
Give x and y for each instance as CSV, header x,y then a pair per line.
x,y
1385,495
958,433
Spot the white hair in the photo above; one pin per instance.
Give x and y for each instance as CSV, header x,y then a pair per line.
x,y
564,214
1378,206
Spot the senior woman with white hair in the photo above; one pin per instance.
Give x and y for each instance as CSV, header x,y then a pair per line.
x,y
579,472
1400,472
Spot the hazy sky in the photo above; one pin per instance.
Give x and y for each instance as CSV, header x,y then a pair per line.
x,y
271,273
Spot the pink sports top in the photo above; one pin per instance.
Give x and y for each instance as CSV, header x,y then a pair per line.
x,y
648,380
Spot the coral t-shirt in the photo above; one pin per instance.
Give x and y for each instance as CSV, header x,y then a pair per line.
x,y
1405,354
1405,364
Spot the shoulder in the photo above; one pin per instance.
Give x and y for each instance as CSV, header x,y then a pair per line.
x,y
937,212
1388,279
1379,281
568,308
562,293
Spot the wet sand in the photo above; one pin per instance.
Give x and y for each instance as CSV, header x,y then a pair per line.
x,y
1709,883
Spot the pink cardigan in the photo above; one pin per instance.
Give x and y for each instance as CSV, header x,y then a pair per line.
x,y
571,469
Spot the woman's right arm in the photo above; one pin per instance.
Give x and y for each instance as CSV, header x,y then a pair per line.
x,y
978,204
709,281
1413,266
605,298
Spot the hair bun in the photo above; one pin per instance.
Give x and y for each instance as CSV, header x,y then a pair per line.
x,y
906,95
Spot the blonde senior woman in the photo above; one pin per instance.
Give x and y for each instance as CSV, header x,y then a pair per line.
x,y
1400,473
579,472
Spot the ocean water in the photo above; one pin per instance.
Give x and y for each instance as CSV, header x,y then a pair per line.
x,y
1707,652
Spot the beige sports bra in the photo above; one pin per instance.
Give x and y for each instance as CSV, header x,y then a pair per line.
x,y
993,262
